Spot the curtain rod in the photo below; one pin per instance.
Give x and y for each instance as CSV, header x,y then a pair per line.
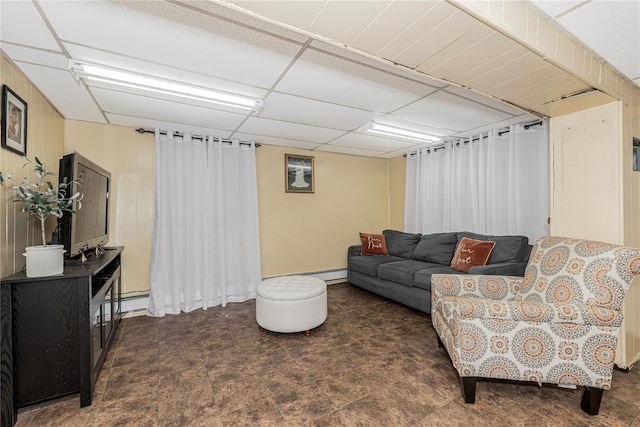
x,y
180,134
465,142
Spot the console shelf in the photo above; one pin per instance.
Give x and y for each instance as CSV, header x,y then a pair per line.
x,y
61,328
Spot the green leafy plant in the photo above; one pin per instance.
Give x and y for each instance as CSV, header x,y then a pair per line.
x,y
43,198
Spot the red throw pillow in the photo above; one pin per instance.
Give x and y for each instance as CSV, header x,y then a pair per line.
x,y
471,253
373,244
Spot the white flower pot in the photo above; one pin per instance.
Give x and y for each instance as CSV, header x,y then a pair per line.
x,y
45,260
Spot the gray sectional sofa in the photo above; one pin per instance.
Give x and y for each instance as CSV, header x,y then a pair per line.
x,y
405,274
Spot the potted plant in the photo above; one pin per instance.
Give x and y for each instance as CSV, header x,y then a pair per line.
x,y
41,199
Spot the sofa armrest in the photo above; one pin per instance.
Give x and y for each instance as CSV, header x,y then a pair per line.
x,y
475,285
354,250
513,268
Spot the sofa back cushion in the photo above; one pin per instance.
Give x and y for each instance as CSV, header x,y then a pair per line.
x,y
507,248
437,248
401,244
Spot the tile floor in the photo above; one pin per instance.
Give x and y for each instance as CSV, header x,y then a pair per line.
x,y
373,363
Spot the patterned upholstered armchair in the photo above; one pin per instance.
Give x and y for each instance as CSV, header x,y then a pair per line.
x,y
558,324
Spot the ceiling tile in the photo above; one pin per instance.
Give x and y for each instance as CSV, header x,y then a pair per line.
x,y
484,100
21,23
127,104
230,53
70,98
169,71
445,110
36,56
286,130
316,113
349,150
370,142
327,78
150,124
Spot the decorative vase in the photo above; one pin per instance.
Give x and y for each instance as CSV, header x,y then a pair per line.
x,y
45,260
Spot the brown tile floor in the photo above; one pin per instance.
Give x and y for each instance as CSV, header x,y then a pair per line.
x,y
373,363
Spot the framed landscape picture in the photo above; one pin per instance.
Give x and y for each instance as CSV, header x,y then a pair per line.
x,y
14,121
299,174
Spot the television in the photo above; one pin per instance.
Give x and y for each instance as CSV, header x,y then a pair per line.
x,y
88,228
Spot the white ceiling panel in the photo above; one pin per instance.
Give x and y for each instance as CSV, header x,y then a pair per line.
x,y
286,130
619,43
481,99
349,150
327,78
319,94
445,110
316,113
369,142
115,28
151,108
171,71
70,98
150,124
21,23
36,56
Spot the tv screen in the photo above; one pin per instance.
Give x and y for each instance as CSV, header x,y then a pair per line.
x,y
89,226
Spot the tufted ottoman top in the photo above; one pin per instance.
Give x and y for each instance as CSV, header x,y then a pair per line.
x,y
291,288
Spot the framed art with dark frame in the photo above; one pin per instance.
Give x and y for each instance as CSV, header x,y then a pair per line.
x,y
299,174
14,122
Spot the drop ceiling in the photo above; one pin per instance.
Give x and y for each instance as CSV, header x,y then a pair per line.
x,y
324,69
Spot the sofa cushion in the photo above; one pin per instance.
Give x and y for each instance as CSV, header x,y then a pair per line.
x,y
401,244
373,244
437,248
471,253
369,264
401,272
507,248
422,278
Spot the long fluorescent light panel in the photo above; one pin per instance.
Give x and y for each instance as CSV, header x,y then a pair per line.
x,y
387,130
122,78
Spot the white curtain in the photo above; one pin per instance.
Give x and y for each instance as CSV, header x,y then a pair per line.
x,y
492,184
205,245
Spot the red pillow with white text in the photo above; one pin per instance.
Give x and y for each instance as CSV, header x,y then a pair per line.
x,y
471,253
373,244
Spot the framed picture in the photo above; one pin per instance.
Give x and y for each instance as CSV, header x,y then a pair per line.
x,y
14,121
299,174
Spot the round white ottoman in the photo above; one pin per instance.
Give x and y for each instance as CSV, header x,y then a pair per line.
x,y
291,304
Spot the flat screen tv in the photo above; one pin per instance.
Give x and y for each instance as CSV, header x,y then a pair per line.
x,y
88,228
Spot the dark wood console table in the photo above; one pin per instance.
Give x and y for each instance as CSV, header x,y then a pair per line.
x,y
61,328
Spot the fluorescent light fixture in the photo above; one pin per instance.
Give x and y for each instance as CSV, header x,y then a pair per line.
x,y
393,131
136,81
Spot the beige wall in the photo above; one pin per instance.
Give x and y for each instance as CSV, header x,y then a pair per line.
x,y
128,156
299,233
45,136
311,232
397,173
587,174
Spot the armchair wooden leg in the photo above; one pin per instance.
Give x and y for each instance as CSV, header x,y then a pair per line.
x,y
440,344
468,386
591,398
